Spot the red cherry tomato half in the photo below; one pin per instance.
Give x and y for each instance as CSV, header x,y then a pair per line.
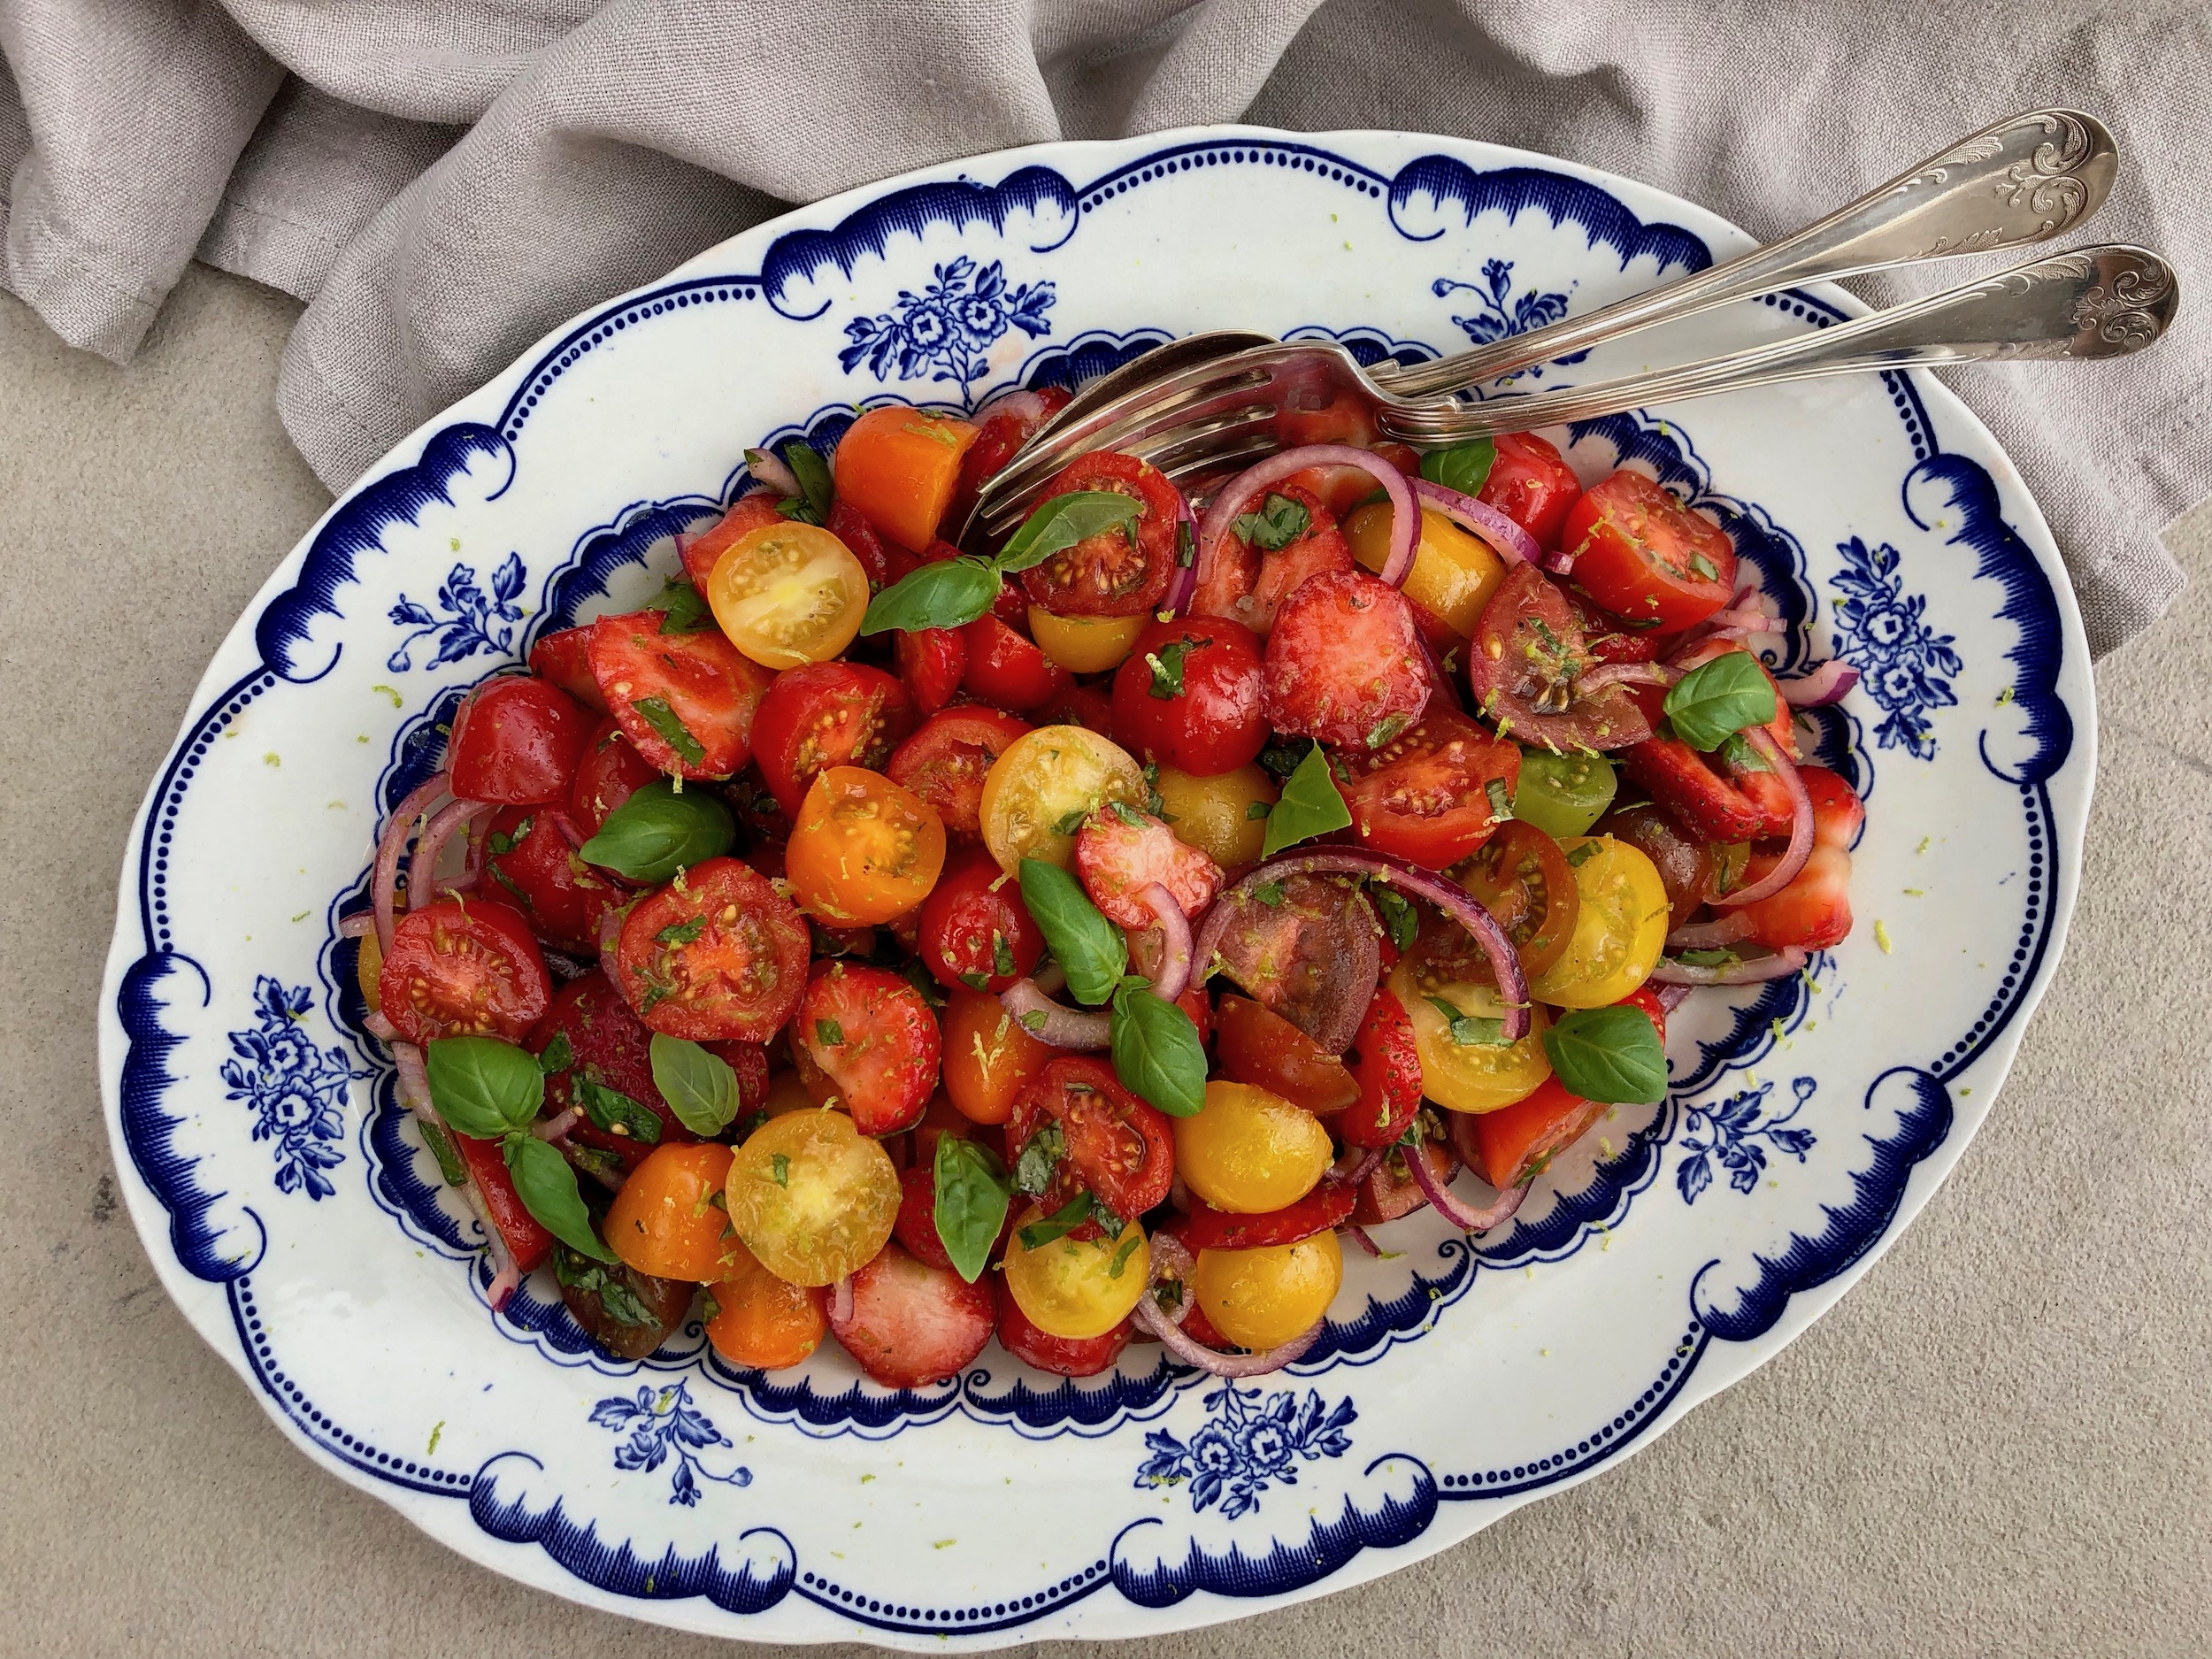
x,y
1643,554
1248,583
1390,1192
463,968
1119,1147
1188,696
1523,878
1112,573
1061,1356
1090,707
975,930
1387,1066
1323,1209
864,1038
518,1230
912,1324
1531,484
747,514
945,762
1426,794
1267,1051
883,562
1005,426
931,662
1521,663
609,1049
527,855
724,956
1119,856
1007,669
565,659
686,700
610,773
1345,664
826,714
516,741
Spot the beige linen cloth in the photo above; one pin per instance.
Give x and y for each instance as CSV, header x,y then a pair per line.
x,y
442,180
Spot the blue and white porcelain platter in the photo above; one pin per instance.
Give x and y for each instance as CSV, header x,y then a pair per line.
x,y
297,1222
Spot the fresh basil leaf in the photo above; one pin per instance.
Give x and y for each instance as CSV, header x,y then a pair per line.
x,y
612,1111
1166,664
500,844
1255,811
1157,1052
620,1303
559,1055
1400,919
657,832
700,1087
1612,1054
1280,759
1580,856
1389,727
1310,806
1059,524
1464,467
1090,948
970,1204
1039,1157
813,473
683,609
1280,521
1471,1031
1058,1225
655,713
947,594
1737,754
483,1086
547,1186
1720,697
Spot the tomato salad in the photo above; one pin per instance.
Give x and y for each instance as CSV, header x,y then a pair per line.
x,y
1081,940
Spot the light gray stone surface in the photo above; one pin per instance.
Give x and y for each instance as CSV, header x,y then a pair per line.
x,y
1997,1444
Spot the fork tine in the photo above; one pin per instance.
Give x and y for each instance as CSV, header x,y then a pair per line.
x,y
1130,433
1179,450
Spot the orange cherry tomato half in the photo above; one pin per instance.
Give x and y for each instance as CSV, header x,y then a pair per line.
x,y
665,1222
763,1323
897,467
989,1056
865,850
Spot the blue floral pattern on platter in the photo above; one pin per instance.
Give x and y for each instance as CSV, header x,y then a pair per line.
x,y
546,1487
1883,631
1733,1134
943,331
1499,313
296,1089
1251,1442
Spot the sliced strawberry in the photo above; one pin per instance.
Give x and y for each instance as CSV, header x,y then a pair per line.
x,y
1345,663
1120,851
1700,799
1063,1356
749,513
1814,911
876,556
917,1224
1838,812
565,659
912,1324
1248,584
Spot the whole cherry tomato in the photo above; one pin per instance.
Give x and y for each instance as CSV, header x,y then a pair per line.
x,y
610,773
975,930
1188,695
1006,670
516,741
1531,483
826,714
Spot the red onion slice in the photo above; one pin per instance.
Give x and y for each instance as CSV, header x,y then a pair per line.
x,y
1743,621
767,467
1672,996
1801,847
1714,935
1405,515
378,1027
1447,1204
1831,682
554,1128
611,933
1514,544
1358,1235
1184,581
1448,896
841,1302
1624,675
422,869
1191,1352
359,926
1059,1027
1172,976
384,887
1780,965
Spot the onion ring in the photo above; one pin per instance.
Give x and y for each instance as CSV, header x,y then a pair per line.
x,y
422,869
1359,1237
554,1128
1717,934
1405,514
1780,965
384,887
1173,974
1449,1205
1514,544
1801,847
1624,675
1184,583
360,924
1673,995
769,469
1831,682
1058,1027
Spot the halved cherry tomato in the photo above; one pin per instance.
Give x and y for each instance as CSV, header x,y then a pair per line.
x,y
864,1039
1386,1062
665,1222
912,1324
686,701
1619,927
608,1049
1117,573
1814,911
1643,554
749,512
565,659
1061,1357
1216,814
1089,706
1269,1052
1344,664
1006,670
610,773
1511,1146
1687,866
1119,1147
1120,851
789,593
1248,584
945,762
1427,793
1524,879
1325,1209
1465,1076
826,714
516,741
1531,483
1085,645
1081,1285
1527,653
975,930
762,1323
865,848
897,467
1046,785
723,955
931,662
811,1196
1452,576
989,1056
1250,1150
1390,1190
526,1240
1188,695
1003,425
1307,952
564,898
463,967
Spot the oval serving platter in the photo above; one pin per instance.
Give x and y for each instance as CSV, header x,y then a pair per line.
x,y
298,1221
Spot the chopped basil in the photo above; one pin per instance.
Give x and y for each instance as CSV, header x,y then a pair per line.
x,y
1059,1223
482,1087
1580,856
1704,567
816,493
657,832
655,713
1719,697
1501,800
1071,822
1464,467
620,1303
683,611
1257,810
614,1111
1121,1253
442,1149
1737,754
780,1169
1279,522
1400,919
681,932
829,1033
547,1186
1185,544
1471,1031
1268,893
1059,524
1310,806
1709,958
976,981
559,1055
1387,727
1001,956
1156,1051
501,844
1090,948
1033,1168
1127,814
969,1202
1612,1054
1166,664
1280,758
699,1085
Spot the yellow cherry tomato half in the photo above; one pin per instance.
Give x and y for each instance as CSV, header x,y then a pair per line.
x,y
1215,814
812,1197
1085,645
1262,1298
1454,574
1044,785
865,850
789,593
1467,1076
664,1223
1250,1150
1619,931
1076,1288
